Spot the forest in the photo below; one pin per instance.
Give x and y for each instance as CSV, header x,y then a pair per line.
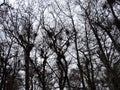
x,y
60,45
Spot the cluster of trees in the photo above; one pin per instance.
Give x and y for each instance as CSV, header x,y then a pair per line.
x,y
60,45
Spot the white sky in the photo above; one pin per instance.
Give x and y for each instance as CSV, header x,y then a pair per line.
x,y
10,1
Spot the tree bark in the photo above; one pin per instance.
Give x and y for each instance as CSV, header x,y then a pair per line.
x,y
27,70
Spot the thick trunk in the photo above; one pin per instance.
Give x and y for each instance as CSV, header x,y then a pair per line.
x,y
43,75
27,70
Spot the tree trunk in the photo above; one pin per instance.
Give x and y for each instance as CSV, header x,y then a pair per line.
x,y
27,70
